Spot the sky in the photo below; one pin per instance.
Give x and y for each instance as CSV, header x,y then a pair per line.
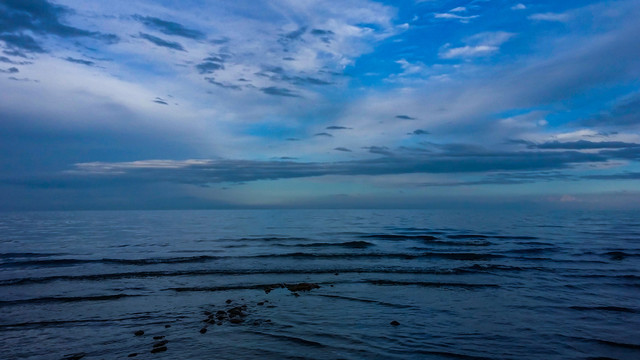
x,y
310,103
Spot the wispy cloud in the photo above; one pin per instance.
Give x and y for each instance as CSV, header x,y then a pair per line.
x,y
169,27
558,17
161,42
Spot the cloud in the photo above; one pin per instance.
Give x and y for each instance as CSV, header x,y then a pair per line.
x,y
405,117
380,150
160,101
626,112
210,65
556,17
518,7
169,27
22,42
223,85
161,42
481,44
450,16
11,70
80,61
210,171
584,145
6,60
337,128
39,17
619,176
323,134
342,149
278,91
419,132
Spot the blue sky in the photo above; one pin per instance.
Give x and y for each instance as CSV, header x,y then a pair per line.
x,y
288,103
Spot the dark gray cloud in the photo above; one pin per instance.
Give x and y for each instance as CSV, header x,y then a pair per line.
x,y
342,149
22,42
21,79
169,27
6,60
278,91
405,117
161,42
296,34
222,85
11,70
278,74
320,32
419,132
338,128
292,139
160,101
620,176
625,113
583,145
380,150
209,67
212,171
323,134
39,17
80,61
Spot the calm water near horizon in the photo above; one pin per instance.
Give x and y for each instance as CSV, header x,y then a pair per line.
x,y
459,284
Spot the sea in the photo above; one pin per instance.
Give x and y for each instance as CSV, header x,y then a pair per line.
x,y
320,284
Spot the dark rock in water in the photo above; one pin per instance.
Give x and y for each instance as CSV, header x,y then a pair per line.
x,y
219,323
138,333
207,313
394,323
158,349
336,274
221,312
229,301
260,303
296,294
132,355
76,356
161,343
236,320
203,330
256,323
301,287
236,311
617,255
268,288
159,337
167,326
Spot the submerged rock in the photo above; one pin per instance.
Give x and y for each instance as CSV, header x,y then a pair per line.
x,y
158,349
159,337
301,287
203,330
167,326
394,323
161,343
138,333
76,356
132,355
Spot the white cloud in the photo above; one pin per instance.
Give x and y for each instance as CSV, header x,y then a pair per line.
x,y
549,17
458,9
451,16
518,7
468,51
481,44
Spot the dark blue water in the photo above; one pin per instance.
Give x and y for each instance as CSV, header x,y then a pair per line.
x,y
460,284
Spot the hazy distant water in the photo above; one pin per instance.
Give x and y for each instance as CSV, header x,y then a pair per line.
x,y
518,285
